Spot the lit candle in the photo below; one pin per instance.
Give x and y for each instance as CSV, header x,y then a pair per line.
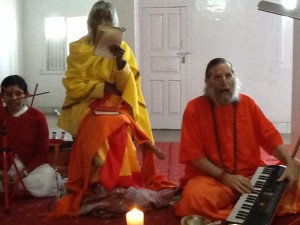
x,y
135,217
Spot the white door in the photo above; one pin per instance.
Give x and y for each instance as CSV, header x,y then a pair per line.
x,y
165,65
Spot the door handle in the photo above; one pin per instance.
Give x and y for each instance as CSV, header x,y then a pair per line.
x,y
183,53
183,59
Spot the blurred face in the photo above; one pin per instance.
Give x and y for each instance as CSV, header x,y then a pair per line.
x,y
14,98
220,85
102,17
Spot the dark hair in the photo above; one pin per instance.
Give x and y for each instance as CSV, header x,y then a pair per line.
x,y
215,62
14,80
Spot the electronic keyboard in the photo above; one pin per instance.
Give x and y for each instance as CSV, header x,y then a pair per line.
x,y
258,207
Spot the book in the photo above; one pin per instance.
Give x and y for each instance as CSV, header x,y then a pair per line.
x,y
106,113
106,36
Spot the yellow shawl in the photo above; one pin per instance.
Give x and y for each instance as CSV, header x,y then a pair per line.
x,y
84,82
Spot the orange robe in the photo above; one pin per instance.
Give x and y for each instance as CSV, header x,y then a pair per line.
x,y
204,195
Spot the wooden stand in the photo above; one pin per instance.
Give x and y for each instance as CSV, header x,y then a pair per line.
x,y
6,156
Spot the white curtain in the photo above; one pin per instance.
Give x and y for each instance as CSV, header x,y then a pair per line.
x,y
10,38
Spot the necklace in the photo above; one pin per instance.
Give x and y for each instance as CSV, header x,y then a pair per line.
x,y
216,132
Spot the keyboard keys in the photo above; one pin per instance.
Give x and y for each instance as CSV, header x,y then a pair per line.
x,y
243,210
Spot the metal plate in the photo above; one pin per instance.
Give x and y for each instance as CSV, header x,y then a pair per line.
x,y
194,220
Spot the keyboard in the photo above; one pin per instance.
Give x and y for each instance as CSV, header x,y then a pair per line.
x,y
258,207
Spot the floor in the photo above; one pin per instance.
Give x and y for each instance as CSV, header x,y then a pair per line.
x,y
159,135
27,212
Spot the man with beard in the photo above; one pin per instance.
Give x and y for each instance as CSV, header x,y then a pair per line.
x,y
222,132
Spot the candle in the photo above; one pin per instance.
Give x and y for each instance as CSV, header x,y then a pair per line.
x,y
135,217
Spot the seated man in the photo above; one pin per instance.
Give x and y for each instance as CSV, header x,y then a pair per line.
x,y
222,132
105,110
26,131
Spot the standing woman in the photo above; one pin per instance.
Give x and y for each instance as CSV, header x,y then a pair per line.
x,y
27,136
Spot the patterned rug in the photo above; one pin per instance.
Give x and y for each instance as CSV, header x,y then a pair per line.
x,y
29,211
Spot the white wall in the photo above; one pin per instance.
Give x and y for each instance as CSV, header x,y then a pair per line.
x,y
250,39
11,43
35,11
247,37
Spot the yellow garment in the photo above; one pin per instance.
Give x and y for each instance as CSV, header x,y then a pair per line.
x,y
84,82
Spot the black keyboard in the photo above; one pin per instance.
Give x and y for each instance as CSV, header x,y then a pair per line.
x,y
258,207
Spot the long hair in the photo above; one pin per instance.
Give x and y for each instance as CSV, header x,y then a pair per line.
x,y
94,15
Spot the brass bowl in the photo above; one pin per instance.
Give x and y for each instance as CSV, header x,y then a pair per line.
x,y
194,220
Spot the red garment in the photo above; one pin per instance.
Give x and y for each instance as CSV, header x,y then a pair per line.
x,y
27,136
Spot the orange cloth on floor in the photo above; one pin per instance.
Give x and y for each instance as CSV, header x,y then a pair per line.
x,y
204,195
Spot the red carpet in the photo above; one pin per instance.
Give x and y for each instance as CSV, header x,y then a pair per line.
x,y
28,211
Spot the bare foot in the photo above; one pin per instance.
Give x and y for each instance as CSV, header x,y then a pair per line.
x,y
97,162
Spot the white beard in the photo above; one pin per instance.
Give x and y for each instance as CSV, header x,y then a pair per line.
x,y
226,96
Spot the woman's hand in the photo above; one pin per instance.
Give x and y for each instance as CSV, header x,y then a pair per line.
x,y
118,52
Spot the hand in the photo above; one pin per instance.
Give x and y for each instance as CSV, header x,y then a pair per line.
x,y
161,155
111,89
118,52
238,183
291,173
157,151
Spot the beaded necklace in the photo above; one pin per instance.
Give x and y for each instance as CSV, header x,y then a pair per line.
x,y
216,132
